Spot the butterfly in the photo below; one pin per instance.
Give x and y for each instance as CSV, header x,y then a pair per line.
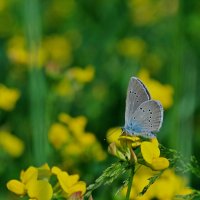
x,y
143,116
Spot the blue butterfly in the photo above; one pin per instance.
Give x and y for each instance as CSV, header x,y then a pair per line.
x,y
143,116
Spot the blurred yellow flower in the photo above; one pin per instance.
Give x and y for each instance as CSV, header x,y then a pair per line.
x,y
151,154
3,5
19,54
175,185
8,97
132,47
64,88
54,51
11,144
58,135
64,118
82,75
57,49
145,12
76,125
79,145
16,50
56,9
158,91
72,150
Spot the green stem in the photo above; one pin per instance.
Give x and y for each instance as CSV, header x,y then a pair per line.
x,y
130,183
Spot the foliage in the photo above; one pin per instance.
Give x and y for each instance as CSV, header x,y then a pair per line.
x,y
64,71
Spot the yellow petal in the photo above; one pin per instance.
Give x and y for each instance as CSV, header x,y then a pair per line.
x,y
66,181
159,163
112,149
29,175
136,144
113,134
58,135
64,118
127,140
8,98
40,190
78,187
149,151
11,144
17,187
155,141
55,170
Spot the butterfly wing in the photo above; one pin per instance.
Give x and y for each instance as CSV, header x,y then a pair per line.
x,y
137,93
147,118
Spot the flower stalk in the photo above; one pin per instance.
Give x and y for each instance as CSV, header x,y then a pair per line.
x,y
130,182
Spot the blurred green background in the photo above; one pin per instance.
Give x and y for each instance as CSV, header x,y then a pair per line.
x,y
76,57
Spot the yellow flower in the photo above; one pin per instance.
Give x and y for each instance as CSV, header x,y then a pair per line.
x,y
151,154
77,125
3,5
175,185
8,98
64,118
29,175
115,151
16,50
11,144
58,50
26,177
113,134
158,91
69,183
82,75
40,190
132,141
79,145
34,183
132,47
64,88
145,12
58,135
18,53
72,150
16,187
